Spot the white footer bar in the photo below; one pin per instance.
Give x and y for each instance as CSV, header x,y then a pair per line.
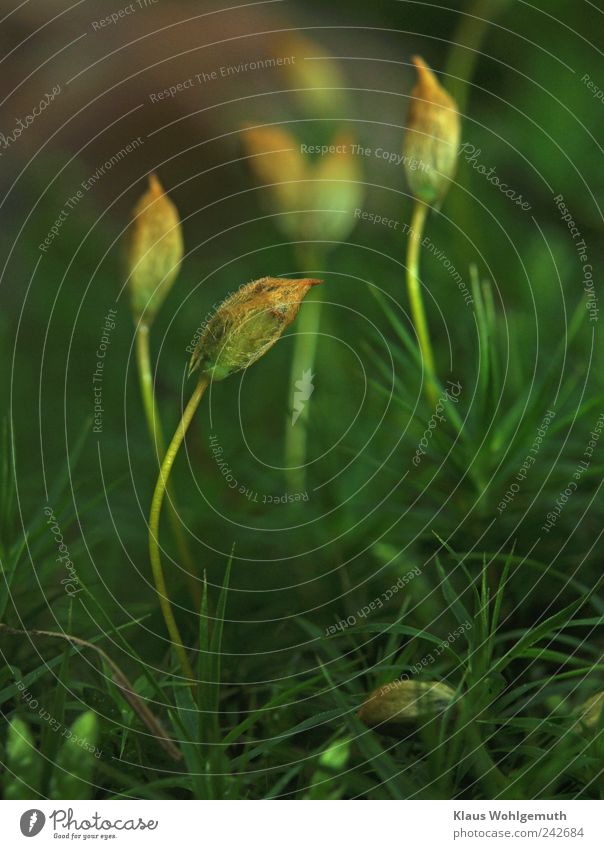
x,y
303,825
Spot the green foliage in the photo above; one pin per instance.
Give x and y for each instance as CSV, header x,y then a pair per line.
x,y
22,762
75,764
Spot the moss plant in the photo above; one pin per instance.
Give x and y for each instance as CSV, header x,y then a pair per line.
x,y
154,252
241,330
430,149
313,201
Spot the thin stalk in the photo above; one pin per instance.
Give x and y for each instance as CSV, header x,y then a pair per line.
x,y
145,375
154,516
414,289
466,46
305,353
487,770
418,221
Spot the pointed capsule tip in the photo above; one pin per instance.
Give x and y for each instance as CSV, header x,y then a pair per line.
x,y
425,74
154,184
419,63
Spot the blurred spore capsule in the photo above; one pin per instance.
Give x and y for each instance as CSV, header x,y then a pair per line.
x,y
406,702
276,162
591,710
313,197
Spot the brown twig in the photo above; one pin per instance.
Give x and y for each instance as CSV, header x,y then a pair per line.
x,y
120,680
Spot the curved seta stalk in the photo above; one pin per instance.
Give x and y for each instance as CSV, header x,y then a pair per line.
x,y
154,517
418,221
145,375
304,356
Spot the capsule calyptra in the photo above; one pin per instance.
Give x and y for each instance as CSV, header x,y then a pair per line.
x,y
247,324
432,137
154,250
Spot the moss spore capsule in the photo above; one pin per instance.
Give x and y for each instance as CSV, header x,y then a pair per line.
x,y
432,138
247,324
406,702
154,250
